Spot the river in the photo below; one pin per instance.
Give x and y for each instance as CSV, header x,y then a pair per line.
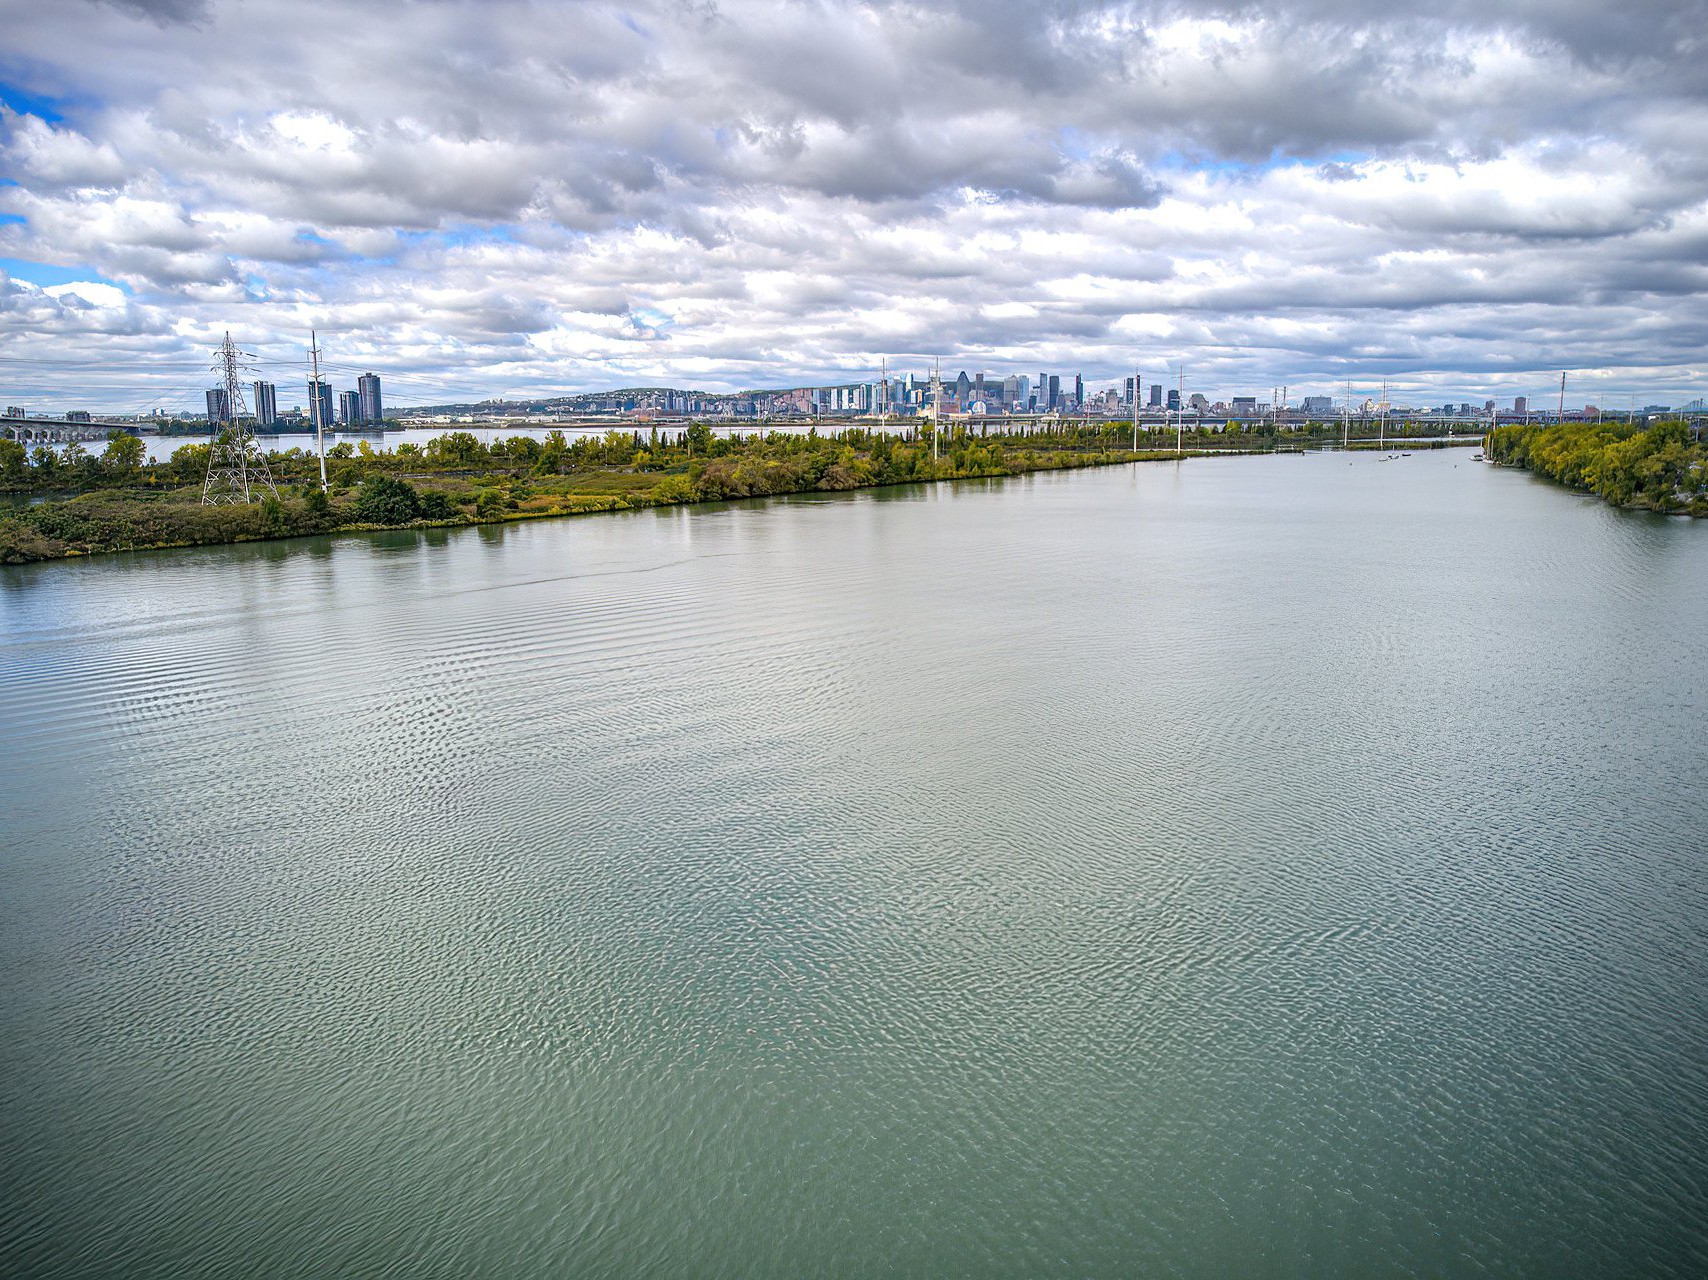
x,y
1260,866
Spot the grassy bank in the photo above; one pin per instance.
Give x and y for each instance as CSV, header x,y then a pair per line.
x,y
114,502
1661,468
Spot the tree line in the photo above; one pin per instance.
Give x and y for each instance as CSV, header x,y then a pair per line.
x,y
1661,468
81,502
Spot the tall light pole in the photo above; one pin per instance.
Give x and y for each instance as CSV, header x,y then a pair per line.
x,y
1180,414
1135,410
314,405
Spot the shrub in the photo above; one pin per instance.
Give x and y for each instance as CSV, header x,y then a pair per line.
x,y
437,505
387,500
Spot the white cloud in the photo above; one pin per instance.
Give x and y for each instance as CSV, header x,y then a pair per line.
x,y
92,292
541,197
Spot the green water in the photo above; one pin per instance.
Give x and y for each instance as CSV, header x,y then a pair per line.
x,y
1261,866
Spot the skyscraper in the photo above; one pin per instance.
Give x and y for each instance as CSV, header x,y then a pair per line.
x,y
266,404
1055,397
1520,404
1156,396
1173,399
219,408
320,401
349,408
1078,391
368,389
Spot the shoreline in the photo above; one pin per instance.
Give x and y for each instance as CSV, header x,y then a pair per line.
x,y
569,504
1663,469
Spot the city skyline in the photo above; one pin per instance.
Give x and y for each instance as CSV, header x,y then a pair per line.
x,y
1462,200
981,394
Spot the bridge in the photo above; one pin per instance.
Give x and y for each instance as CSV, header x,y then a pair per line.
x,y
31,431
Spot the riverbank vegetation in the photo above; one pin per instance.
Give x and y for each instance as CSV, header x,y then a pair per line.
x,y
1661,468
74,501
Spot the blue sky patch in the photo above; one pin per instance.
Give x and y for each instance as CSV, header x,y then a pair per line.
x,y
1184,162
46,275
26,103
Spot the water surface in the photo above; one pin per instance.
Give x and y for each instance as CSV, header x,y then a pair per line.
x,y
1265,866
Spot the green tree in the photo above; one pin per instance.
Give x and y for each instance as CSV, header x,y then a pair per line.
x,y
437,505
188,461
387,500
455,449
123,454
14,462
521,448
272,514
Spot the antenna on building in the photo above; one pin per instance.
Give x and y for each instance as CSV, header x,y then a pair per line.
x,y
236,465
314,405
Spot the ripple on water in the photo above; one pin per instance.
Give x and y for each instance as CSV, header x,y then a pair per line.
x,y
1143,871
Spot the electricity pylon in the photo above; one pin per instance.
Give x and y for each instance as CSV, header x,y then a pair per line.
x,y
237,469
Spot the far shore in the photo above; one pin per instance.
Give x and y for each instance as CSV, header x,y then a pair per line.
x,y
118,502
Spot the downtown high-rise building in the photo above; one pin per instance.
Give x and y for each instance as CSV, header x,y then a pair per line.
x,y
320,403
219,406
1520,404
368,390
1173,400
266,404
1156,396
349,408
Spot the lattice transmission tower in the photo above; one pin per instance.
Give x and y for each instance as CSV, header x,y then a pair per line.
x,y
237,469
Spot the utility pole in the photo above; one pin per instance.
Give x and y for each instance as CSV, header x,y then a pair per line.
x,y
235,462
1180,413
1561,416
1135,410
1382,418
314,405
936,403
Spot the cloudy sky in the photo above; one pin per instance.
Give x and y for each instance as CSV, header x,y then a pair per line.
x,y
475,197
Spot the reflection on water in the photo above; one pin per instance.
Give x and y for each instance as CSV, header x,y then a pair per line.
x,y
1278,865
